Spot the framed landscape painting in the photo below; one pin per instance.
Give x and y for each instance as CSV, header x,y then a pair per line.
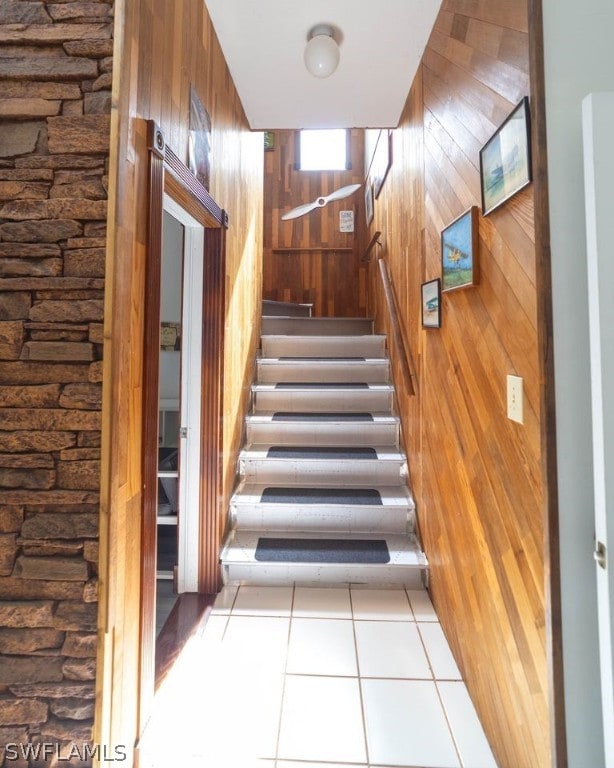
x,y
505,159
459,252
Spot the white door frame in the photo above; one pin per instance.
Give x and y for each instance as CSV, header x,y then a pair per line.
x,y
598,125
188,524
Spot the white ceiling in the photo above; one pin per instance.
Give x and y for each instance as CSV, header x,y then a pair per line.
x,y
381,44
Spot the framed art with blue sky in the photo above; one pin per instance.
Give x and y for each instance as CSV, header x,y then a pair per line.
x,y
459,252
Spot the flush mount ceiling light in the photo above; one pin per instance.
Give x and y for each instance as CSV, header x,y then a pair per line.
x,y
321,51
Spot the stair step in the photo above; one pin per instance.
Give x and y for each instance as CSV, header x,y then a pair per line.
x,y
323,429
406,564
285,309
304,326
368,346
321,398
272,370
326,465
387,509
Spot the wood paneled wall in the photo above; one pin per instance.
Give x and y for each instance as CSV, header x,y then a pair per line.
x,y
477,475
300,261
163,46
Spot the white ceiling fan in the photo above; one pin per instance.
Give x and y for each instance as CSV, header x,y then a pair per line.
x,y
320,202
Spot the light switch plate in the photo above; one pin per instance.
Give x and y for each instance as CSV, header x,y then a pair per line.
x,y
515,399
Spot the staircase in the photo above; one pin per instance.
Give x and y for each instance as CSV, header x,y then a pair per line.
x,y
323,495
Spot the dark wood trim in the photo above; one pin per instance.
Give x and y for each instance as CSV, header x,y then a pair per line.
x,y
212,411
190,184
149,455
543,279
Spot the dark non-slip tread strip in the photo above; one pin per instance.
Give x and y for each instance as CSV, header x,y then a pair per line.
x,y
320,359
321,385
302,416
353,496
351,551
320,452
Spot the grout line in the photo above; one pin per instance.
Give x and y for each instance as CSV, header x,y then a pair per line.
x,y
445,714
362,703
411,607
285,675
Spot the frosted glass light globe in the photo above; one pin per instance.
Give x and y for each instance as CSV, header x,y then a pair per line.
x,y
321,52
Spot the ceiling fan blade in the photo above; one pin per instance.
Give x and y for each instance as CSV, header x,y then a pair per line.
x,y
339,194
300,210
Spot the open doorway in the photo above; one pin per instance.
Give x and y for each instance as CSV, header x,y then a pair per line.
x,y
179,411
181,395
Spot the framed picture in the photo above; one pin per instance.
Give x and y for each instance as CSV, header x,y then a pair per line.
x,y
199,140
459,252
269,141
382,160
368,202
505,159
431,304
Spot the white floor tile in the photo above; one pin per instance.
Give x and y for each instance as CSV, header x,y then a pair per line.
x,y
421,605
390,649
322,720
439,653
322,647
406,725
263,601
382,604
302,764
467,730
322,602
256,643
224,601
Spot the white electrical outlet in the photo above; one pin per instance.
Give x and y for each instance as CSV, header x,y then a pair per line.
x,y
515,399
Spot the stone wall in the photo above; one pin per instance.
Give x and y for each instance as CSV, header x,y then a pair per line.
x,y
55,81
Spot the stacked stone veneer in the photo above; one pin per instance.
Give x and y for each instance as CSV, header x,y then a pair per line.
x,y
55,81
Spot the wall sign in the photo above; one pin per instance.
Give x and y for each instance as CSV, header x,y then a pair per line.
x,y
346,221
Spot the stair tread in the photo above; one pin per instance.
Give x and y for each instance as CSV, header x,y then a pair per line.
x,y
390,496
320,386
325,336
260,451
323,360
322,416
404,550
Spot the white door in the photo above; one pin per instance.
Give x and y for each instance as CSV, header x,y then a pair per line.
x,y
182,282
598,128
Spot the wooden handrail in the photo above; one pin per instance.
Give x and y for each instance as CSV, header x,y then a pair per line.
x,y
374,240
403,353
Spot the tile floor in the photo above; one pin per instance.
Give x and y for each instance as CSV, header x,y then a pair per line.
x,y
297,677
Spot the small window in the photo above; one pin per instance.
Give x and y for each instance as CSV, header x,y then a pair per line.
x,y
323,150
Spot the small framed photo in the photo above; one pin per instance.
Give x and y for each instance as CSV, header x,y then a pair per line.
x,y
382,161
505,159
431,304
459,252
199,140
369,202
269,141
